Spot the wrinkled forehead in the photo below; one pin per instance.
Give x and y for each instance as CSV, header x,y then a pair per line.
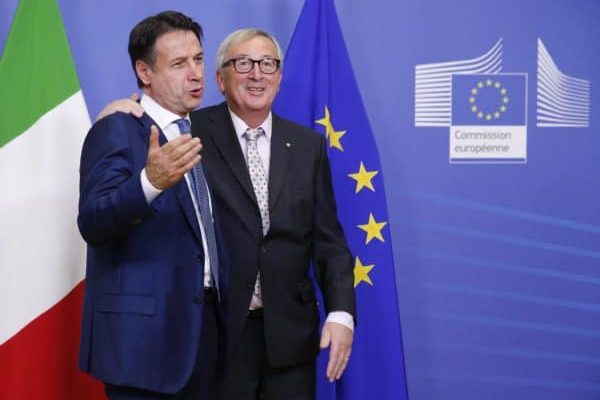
x,y
255,46
175,44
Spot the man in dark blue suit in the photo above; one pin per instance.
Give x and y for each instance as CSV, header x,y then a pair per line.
x,y
150,322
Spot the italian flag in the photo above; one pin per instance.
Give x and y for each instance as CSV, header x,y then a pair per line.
x,y
43,120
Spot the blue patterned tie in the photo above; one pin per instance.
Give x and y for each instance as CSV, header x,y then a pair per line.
x,y
200,189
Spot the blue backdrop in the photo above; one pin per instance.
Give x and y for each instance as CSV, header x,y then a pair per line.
x,y
497,263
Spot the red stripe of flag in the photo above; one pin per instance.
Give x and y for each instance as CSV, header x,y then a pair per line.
x,y
40,362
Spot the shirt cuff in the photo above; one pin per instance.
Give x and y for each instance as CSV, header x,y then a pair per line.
x,y
150,192
341,317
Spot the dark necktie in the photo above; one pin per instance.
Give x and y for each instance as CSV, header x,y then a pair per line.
x,y
200,190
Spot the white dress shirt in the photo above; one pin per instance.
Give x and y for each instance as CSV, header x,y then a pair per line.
x,y
165,120
263,143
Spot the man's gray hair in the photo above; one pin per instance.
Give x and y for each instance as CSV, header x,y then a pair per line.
x,y
241,36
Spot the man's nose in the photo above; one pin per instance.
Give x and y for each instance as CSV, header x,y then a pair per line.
x,y
255,71
196,72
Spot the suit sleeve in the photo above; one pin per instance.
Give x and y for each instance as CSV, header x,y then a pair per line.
x,y
111,198
331,256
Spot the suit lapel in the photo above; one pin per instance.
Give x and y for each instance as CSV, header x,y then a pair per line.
x,y
181,190
281,145
185,200
227,144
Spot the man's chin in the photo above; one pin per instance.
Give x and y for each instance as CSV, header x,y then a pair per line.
x,y
195,103
258,103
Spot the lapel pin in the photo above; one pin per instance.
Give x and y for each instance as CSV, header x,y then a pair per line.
x,y
288,144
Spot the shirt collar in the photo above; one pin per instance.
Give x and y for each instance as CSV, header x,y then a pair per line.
x,y
158,113
240,126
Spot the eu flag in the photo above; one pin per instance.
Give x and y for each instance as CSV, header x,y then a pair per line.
x,y
319,90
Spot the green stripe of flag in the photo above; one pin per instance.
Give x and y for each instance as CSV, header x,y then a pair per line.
x,y
36,69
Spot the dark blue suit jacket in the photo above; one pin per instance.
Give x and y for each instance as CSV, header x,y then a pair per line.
x,y
144,279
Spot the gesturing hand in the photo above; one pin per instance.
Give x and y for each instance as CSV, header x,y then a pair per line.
x,y
167,164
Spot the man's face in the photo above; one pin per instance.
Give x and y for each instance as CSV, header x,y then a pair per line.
x,y
251,93
176,79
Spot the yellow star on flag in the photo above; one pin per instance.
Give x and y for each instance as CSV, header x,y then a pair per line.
x,y
363,178
373,229
361,272
333,135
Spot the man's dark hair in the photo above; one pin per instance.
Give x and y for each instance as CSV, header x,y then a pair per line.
x,y
144,35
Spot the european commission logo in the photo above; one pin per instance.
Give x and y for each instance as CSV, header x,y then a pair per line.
x,y
563,101
486,109
488,120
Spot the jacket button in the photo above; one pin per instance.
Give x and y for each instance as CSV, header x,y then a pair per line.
x,y
263,249
198,299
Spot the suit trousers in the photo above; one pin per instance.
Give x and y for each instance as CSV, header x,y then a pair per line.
x,y
201,385
250,377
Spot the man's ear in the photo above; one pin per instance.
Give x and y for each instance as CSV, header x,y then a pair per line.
x,y
143,71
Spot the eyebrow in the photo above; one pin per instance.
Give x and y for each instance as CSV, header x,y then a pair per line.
x,y
182,58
